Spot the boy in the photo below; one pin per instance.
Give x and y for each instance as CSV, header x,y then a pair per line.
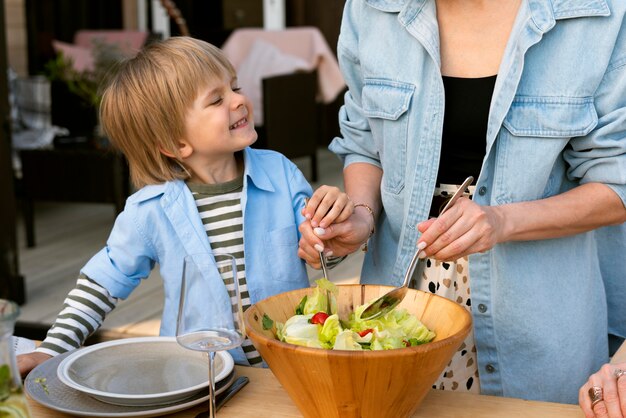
x,y
176,113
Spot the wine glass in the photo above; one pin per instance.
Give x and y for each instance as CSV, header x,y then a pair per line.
x,y
210,316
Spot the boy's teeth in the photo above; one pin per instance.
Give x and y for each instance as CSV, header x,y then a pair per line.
x,y
241,122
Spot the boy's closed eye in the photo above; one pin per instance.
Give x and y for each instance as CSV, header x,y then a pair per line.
x,y
218,97
216,101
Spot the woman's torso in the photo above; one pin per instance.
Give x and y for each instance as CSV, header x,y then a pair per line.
x,y
544,96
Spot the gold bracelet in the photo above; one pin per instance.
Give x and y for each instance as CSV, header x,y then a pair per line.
x,y
369,209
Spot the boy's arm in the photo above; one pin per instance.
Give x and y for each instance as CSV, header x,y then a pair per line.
x,y
84,310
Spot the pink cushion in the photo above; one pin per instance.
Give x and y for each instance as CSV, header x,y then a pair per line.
x,y
81,58
129,41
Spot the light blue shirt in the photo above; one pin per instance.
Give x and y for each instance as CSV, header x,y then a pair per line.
x,y
160,224
557,120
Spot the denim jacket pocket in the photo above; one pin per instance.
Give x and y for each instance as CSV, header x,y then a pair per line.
x,y
385,103
283,247
536,131
551,117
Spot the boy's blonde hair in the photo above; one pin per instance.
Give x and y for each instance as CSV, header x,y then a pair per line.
x,y
144,105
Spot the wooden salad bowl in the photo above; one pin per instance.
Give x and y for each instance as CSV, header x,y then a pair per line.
x,y
346,384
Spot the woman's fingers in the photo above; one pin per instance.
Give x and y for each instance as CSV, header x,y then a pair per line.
x,y
610,392
610,404
584,401
464,229
621,390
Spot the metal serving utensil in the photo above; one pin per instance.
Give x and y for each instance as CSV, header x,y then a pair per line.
x,y
325,272
324,269
391,299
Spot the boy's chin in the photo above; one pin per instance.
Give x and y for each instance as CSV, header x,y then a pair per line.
x,y
254,137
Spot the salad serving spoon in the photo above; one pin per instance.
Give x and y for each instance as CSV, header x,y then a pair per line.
x,y
324,269
391,299
325,272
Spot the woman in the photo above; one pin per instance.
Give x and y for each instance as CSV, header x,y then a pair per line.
x,y
604,394
546,95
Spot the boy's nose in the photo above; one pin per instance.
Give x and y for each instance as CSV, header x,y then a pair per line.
x,y
238,101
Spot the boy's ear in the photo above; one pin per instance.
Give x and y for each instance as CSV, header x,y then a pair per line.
x,y
184,150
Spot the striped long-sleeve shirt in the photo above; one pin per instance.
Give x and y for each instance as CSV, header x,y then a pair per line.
x,y
84,309
219,206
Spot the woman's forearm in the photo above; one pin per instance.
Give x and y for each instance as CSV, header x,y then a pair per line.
x,y
581,209
362,184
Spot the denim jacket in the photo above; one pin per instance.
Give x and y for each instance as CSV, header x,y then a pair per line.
x,y
160,224
557,120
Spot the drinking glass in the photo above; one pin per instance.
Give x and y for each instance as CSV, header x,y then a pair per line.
x,y
12,400
210,316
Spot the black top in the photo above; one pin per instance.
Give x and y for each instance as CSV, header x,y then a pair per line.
x,y
464,138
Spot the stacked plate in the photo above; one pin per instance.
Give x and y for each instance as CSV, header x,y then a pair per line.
x,y
130,377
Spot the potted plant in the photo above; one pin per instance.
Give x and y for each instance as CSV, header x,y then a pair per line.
x,y
75,94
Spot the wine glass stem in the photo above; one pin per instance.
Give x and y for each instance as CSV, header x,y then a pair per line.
x,y
212,411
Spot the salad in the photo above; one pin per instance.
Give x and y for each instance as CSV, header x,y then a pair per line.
x,y
316,324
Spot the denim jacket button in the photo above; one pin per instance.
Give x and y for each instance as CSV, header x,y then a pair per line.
x,y
482,308
490,368
482,191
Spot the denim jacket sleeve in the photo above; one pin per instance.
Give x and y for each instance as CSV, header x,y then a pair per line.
x,y
356,143
600,156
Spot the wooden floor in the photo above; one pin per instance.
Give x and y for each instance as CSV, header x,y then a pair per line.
x,y
68,234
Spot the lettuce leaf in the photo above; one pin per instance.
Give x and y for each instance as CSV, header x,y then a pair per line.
x,y
396,329
297,330
318,302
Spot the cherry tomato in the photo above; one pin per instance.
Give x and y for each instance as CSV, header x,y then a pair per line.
x,y
319,318
365,332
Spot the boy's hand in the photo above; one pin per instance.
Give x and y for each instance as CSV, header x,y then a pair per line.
x,y
27,362
338,240
327,205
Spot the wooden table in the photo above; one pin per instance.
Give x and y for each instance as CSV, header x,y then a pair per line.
x,y
264,397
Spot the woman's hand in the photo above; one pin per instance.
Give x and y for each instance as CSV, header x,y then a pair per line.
x,y
465,228
613,387
338,239
27,362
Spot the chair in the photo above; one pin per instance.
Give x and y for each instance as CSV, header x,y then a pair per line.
x,y
71,175
291,116
82,170
288,75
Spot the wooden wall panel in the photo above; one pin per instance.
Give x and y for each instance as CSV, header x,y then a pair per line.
x,y
17,45
11,284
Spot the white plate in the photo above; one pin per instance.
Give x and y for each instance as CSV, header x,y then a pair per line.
x,y
141,371
44,387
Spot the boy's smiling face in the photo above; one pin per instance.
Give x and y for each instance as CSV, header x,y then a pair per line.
x,y
219,123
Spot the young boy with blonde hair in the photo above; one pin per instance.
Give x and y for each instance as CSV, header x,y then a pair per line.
x,y
176,112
